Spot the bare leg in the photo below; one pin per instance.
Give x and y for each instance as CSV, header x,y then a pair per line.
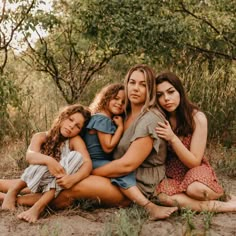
x,y
34,212
183,200
29,199
2,196
232,198
200,191
9,202
93,187
6,184
156,212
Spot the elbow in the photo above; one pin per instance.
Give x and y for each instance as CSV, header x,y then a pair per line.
x,y
194,164
127,168
28,155
107,149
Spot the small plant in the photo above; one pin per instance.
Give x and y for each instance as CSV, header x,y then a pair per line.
x,y
126,222
188,216
207,218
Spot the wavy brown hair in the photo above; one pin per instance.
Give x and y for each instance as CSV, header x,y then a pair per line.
x,y
102,99
185,124
54,140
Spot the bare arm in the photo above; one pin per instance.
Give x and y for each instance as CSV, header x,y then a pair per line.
x,y
193,157
109,141
34,157
67,181
133,158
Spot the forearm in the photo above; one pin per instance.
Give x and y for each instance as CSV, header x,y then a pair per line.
x,y
83,172
184,155
114,168
36,158
116,137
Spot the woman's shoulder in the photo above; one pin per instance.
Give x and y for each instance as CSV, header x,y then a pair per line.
x,y
153,115
199,117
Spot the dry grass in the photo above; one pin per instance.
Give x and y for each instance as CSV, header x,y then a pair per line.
x,y
128,221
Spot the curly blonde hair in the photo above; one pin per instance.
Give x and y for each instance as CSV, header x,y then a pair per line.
x,y
54,140
103,98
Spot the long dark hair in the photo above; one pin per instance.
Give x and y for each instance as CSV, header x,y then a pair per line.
x,y
185,124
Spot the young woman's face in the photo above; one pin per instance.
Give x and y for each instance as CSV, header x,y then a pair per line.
x,y
137,88
116,104
168,97
71,126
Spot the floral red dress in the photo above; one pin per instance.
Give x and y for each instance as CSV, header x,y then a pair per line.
x,y
179,177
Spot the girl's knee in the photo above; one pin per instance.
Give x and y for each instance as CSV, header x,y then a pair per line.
x,y
200,191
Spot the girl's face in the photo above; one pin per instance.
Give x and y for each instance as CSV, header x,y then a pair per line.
x,y
137,88
116,104
71,126
168,97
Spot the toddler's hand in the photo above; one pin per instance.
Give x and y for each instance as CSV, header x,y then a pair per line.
x,y
118,120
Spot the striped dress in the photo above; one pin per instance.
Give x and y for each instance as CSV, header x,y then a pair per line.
x,y
39,179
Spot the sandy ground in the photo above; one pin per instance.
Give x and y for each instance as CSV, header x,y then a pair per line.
x,y
87,223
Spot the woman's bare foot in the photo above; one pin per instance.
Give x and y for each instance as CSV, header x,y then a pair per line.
x,y
232,198
2,196
30,215
9,201
159,212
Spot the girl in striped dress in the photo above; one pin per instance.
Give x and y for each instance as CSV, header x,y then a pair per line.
x,y
55,158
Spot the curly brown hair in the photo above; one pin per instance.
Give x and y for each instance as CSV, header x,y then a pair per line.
x,y
103,98
54,140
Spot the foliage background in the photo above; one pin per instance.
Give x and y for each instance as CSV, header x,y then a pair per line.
x,y
55,53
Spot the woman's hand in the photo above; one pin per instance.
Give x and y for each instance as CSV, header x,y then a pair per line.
x,y
164,131
55,168
66,181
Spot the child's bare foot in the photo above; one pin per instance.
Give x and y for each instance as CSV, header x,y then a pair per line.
x,y
30,215
9,201
2,196
159,212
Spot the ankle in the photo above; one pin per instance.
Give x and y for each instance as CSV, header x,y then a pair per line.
x,y
146,205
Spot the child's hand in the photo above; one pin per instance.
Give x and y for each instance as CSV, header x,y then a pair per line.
x,y
164,131
118,120
55,168
66,181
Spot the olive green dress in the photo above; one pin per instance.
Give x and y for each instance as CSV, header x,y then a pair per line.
x,y
152,170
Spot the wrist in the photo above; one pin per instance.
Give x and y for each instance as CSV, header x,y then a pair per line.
x,y
48,160
173,140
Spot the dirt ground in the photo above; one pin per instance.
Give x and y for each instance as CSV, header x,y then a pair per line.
x,y
88,223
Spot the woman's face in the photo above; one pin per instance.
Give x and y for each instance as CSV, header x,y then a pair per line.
x,y
137,88
168,97
71,126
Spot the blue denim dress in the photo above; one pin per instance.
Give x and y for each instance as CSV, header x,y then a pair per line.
x,y
102,123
